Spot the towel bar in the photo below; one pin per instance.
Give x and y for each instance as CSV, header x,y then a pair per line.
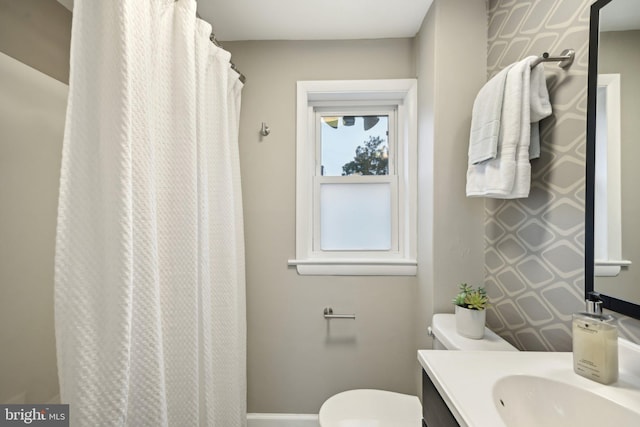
x,y
565,58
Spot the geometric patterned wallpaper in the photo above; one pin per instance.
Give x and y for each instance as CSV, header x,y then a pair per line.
x,y
534,247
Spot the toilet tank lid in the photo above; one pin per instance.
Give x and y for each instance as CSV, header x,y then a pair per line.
x,y
443,326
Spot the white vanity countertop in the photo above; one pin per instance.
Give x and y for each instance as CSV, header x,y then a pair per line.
x,y
465,379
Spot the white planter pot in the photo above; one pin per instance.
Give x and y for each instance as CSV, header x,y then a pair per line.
x,y
470,323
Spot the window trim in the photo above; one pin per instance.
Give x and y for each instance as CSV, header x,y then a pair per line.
x,y
401,93
608,260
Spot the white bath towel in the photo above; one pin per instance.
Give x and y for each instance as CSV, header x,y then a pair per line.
x,y
485,119
495,177
508,175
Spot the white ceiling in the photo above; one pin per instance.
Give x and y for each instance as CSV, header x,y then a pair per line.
x,y
310,19
313,19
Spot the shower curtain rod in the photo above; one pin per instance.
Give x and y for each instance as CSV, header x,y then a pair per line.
x,y
212,38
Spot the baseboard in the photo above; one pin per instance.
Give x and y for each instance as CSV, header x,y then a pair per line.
x,y
282,420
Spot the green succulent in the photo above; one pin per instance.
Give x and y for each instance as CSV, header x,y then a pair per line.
x,y
474,299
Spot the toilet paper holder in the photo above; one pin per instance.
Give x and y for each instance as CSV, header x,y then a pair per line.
x,y
328,314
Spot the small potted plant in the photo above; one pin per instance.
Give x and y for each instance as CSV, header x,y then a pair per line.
x,y
471,315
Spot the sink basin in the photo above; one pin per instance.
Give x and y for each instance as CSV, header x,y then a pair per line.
x,y
531,401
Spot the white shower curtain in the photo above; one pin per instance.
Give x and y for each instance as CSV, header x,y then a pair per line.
x,y
149,269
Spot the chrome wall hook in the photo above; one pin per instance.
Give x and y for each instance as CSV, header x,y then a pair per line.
x,y
264,130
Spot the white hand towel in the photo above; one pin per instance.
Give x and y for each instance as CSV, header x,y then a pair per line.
x,y
535,107
485,119
540,107
534,145
522,178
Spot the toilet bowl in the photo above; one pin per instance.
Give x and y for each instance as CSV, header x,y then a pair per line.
x,y
379,408
370,408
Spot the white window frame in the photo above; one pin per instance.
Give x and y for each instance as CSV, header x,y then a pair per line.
x,y
338,95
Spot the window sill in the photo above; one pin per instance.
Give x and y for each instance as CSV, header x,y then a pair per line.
x,y
355,267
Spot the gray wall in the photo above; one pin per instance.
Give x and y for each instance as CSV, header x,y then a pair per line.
x,y
32,109
296,359
450,59
37,33
534,251
618,53
529,251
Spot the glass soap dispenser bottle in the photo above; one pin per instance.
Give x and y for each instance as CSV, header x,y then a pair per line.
x,y
595,343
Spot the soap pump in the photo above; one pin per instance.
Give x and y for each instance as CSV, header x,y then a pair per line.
x,y
595,343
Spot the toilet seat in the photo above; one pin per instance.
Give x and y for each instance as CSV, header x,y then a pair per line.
x,y
371,408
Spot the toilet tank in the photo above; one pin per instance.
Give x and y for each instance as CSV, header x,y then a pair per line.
x,y
443,329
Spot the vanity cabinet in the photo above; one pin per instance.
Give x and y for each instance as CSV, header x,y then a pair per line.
x,y
435,412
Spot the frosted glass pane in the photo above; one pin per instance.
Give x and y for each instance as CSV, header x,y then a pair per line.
x,y
355,216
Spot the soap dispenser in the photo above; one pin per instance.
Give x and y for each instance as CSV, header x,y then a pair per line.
x,y
595,343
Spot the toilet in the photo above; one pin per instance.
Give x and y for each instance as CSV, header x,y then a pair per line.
x,y
445,337
379,408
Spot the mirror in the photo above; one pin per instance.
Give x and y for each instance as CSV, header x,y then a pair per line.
x,y
612,227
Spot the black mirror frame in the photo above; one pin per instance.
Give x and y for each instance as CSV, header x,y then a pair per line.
x,y
608,302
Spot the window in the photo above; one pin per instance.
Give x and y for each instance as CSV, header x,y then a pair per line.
x,y
356,177
354,181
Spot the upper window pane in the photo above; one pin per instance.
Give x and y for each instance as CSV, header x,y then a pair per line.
x,y
354,145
